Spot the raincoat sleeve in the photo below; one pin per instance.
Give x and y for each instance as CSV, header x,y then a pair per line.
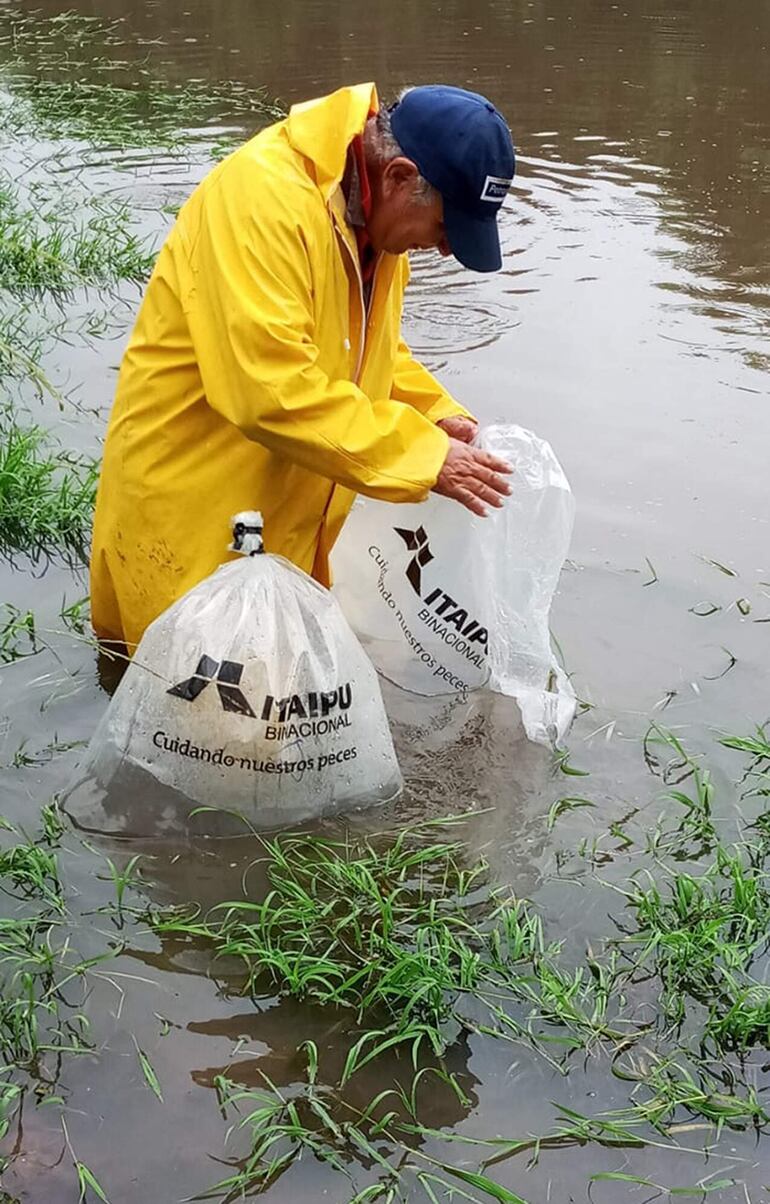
x,y
415,385
252,320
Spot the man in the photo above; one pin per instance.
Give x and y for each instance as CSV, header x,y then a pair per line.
x,y
266,370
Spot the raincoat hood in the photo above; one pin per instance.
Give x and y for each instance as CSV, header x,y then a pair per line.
x,y
322,130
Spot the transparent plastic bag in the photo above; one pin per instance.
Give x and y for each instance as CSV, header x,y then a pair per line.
x,y
447,602
251,694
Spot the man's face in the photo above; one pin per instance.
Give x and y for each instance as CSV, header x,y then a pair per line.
x,y
399,222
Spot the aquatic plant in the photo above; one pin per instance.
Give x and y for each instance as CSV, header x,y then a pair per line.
x,y
21,345
406,936
67,78
144,112
45,246
416,945
46,494
701,934
282,1126
413,942
36,960
41,1017
17,634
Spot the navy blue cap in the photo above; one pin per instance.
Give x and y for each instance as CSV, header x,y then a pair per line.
x,y
463,147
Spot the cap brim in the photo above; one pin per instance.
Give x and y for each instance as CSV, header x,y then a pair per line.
x,y
474,241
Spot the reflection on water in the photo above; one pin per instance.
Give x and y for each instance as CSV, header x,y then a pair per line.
x,y
459,755
686,91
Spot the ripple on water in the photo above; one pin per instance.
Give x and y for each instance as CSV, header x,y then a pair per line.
x,y
439,325
449,311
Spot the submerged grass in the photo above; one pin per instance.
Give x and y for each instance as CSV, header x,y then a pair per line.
x,y
140,112
44,246
703,933
281,1126
35,964
17,634
54,241
417,947
41,1018
21,345
67,77
410,946
46,494
20,637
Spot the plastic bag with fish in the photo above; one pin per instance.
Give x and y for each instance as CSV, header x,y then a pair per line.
x,y
446,602
251,694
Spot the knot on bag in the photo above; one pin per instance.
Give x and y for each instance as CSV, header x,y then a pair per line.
x,y
247,533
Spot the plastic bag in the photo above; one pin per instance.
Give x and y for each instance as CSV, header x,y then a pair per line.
x,y
252,694
446,601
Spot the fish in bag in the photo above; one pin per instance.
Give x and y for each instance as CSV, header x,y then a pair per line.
x,y
250,694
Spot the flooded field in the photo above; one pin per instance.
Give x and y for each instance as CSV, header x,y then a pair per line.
x,y
563,994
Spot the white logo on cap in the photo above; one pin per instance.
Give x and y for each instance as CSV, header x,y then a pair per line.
x,y
495,189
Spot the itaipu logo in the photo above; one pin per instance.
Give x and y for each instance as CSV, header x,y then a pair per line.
x,y
446,609
307,714
417,542
226,675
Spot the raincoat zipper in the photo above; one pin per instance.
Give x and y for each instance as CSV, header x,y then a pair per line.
x,y
364,315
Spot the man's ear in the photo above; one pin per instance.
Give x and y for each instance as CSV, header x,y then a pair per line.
x,y
399,173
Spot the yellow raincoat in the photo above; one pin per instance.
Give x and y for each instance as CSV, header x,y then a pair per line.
x,y
254,379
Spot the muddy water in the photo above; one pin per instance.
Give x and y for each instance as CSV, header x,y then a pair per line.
x,y
629,326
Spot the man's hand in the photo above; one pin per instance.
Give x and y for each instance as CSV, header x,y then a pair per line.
x,y
459,427
473,477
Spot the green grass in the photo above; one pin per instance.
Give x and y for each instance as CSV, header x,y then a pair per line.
x,y
89,1187
17,634
702,934
67,78
46,494
415,945
20,637
31,872
419,948
21,344
63,78
140,112
284,1125
404,937
312,1119
35,961
405,942
45,246
43,980
409,946
52,244
691,834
